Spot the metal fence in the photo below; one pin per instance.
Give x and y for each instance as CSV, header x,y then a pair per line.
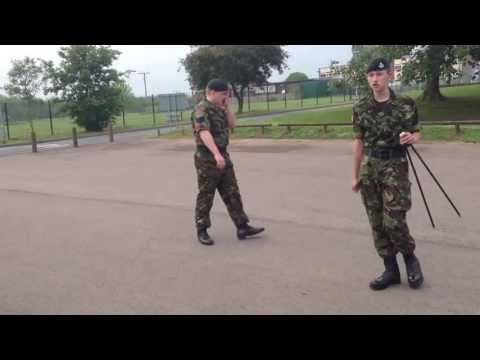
x,y
49,120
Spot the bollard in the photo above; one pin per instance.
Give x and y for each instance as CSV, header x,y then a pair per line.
x,y
75,137
34,142
110,131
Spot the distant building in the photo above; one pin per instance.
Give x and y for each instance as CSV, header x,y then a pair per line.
x,y
330,72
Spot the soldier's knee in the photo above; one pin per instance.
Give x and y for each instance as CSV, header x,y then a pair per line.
x,y
394,219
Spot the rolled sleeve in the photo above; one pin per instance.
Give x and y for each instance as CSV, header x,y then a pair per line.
x,y
358,132
200,120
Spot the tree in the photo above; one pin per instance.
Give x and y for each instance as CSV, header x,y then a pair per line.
x,y
25,81
425,63
239,65
430,63
126,95
91,89
354,74
297,76
296,88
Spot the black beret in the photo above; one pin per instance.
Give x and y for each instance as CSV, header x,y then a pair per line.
x,y
378,64
217,85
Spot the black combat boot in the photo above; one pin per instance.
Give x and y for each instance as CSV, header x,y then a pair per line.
x,y
247,230
391,275
414,271
203,237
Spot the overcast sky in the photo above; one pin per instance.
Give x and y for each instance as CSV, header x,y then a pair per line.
x,y
162,62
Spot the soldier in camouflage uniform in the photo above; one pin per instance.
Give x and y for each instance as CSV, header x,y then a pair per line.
x,y
211,120
384,124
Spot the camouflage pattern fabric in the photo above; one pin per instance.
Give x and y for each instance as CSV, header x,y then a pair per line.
x,y
210,178
211,117
386,195
381,124
385,185
208,116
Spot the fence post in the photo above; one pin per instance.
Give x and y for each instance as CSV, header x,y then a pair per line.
x,y
110,131
301,95
285,97
75,137
50,115
316,93
268,102
289,129
34,142
153,110
325,128
263,129
6,122
248,97
123,117
457,129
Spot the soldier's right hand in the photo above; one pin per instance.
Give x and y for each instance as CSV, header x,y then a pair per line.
x,y
355,185
220,161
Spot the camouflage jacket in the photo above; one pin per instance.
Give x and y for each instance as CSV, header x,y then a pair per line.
x,y
208,116
381,124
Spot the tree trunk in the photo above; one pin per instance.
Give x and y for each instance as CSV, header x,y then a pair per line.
x,y
239,96
431,93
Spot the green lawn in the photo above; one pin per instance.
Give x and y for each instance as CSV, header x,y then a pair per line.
x,y
62,127
463,103
257,107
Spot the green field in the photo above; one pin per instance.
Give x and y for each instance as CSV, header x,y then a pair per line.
x,y
279,105
62,126
463,104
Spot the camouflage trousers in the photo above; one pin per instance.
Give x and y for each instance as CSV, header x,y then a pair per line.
x,y
386,195
210,179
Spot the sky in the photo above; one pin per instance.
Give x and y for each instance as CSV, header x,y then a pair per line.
x,y
162,63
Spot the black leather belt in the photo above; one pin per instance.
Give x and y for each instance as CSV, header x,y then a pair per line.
x,y
387,153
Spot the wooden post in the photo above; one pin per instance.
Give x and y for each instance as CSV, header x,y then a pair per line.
x,y
34,142
457,129
110,131
325,128
50,117
75,137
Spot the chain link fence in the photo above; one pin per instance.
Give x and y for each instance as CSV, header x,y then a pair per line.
x,y
49,119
